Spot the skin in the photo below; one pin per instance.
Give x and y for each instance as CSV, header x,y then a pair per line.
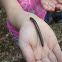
x,y
29,41
59,1
52,5
31,47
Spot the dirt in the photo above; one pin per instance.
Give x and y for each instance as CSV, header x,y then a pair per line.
x,y
9,51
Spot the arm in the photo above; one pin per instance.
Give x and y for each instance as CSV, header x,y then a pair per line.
x,y
16,15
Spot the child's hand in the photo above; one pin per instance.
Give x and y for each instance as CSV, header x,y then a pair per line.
x,y
59,1
31,47
52,5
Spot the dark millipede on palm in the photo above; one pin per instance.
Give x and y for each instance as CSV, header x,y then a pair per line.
x,y
38,31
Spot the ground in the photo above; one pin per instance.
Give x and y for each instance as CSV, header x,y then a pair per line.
x,y
9,51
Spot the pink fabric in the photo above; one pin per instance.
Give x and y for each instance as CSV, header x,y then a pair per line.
x,y
33,6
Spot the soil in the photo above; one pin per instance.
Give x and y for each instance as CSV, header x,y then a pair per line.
x,y
9,51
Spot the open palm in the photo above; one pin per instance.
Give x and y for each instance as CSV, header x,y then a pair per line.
x,y
31,46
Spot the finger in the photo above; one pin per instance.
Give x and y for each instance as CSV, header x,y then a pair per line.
x,y
48,6
45,6
61,8
58,6
45,60
27,52
58,53
52,5
54,1
39,61
52,56
59,1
